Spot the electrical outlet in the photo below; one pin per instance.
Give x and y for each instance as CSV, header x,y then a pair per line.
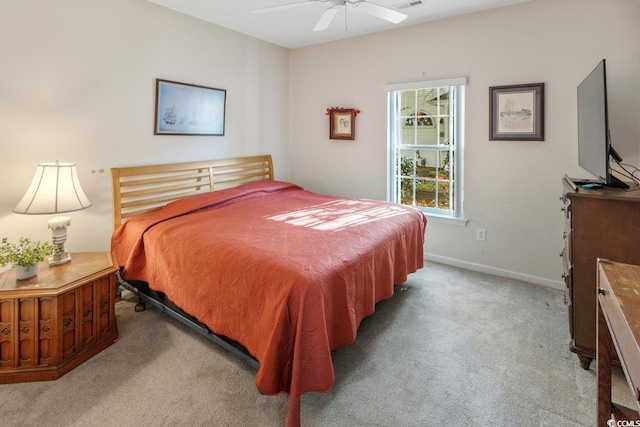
x,y
481,234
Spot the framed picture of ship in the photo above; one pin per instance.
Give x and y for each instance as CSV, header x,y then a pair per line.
x,y
516,112
188,109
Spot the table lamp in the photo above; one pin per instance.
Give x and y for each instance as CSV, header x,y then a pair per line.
x,y
55,189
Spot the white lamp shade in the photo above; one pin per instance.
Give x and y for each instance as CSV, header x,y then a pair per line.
x,y
55,188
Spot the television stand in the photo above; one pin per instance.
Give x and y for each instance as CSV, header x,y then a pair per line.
x,y
615,182
580,181
598,224
576,183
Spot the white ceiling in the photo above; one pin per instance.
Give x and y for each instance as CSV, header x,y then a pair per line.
x,y
293,27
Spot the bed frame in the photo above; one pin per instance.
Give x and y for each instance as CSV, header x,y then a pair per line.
x,y
139,190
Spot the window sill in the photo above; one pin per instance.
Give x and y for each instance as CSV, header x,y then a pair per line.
x,y
460,222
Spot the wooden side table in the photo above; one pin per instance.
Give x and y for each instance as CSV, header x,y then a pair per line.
x,y
618,330
53,322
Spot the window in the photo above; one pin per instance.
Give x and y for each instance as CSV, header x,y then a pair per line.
x,y
425,146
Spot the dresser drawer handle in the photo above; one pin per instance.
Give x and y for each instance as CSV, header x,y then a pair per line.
x,y
87,312
6,331
45,329
25,330
601,291
104,304
68,322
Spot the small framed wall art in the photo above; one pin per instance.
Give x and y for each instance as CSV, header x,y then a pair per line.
x,y
516,113
188,109
342,123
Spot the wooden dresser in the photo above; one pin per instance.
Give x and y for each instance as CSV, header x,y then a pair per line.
x,y
602,223
53,322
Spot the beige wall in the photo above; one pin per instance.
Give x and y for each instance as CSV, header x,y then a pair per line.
x,y
77,83
511,188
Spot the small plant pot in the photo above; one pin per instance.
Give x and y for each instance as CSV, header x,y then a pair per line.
x,y
24,273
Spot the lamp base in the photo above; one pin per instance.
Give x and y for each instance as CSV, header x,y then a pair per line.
x,y
60,258
58,226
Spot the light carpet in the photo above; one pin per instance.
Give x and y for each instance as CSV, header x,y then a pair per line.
x,y
451,348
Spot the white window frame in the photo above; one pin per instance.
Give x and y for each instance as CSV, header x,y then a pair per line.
x,y
455,214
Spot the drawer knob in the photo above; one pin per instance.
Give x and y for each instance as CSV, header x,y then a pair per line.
x,y
45,329
601,291
25,330
6,331
68,322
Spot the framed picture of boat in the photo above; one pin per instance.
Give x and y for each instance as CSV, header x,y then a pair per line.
x,y
516,112
188,109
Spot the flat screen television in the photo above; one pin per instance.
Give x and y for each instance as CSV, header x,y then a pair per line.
x,y
594,144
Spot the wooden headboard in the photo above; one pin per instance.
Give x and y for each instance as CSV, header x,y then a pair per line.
x,y
138,190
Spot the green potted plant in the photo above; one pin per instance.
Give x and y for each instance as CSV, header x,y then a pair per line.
x,y
24,256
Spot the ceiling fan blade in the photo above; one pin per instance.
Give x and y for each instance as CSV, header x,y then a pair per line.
x,y
381,12
285,6
325,19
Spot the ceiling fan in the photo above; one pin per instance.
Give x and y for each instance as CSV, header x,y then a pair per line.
x,y
327,17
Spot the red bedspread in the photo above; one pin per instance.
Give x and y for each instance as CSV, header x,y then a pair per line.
x,y
288,273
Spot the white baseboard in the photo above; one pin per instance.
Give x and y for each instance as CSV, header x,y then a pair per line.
x,y
481,268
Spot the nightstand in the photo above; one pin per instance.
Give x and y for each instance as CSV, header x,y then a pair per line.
x,y
55,321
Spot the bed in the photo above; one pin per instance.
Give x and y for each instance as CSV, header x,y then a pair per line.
x,y
279,275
